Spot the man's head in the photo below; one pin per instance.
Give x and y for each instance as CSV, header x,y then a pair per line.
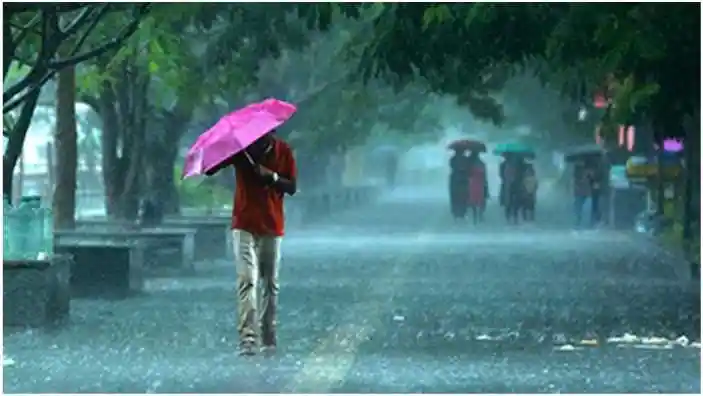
x,y
263,142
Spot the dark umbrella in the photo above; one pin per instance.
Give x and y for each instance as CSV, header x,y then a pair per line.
x,y
582,152
514,149
468,145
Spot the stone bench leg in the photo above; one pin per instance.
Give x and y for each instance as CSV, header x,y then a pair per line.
x,y
36,296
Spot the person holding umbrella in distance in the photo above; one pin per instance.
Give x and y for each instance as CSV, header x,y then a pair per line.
x,y
265,171
458,180
511,172
476,177
589,180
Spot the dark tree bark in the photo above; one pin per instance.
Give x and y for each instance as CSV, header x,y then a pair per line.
x,y
13,150
65,139
123,108
692,146
163,147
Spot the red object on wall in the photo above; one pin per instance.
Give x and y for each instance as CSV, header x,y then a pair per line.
x,y
626,137
600,101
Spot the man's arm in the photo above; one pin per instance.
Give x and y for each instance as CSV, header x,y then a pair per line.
x,y
285,181
285,185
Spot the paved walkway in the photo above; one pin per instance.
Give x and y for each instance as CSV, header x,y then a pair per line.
x,y
398,298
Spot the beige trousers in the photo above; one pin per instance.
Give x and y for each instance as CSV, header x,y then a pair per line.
x,y
257,259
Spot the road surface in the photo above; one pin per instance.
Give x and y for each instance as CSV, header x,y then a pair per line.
x,y
396,297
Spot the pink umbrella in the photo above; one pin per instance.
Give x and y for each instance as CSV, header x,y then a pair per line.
x,y
233,133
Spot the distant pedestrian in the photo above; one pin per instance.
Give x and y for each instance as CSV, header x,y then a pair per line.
x,y
529,193
264,173
596,179
582,190
478,187
459,184
511,187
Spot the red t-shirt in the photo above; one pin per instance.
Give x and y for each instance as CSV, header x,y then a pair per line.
x,y
258,208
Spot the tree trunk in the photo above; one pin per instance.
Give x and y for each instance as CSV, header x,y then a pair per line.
x,y
123,108
15,143
66,150
160,165
660,178
161,162
165,182
112,167
692,143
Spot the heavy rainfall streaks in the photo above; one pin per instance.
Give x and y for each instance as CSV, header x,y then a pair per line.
x,y
376,197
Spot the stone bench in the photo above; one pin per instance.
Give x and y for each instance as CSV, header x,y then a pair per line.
x,y
168,247
36,293
102,268
212,238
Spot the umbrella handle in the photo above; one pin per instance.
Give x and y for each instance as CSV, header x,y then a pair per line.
x,y
251,160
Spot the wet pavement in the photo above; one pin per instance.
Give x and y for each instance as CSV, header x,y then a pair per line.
x,y
398,298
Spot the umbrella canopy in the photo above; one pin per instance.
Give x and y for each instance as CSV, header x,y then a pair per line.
x,y
467,145
233,133
514,148
584,151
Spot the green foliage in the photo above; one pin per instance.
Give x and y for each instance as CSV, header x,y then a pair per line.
x,y
575,47
672,237
335,111
629,97
461,49
651,49
47,39
201,194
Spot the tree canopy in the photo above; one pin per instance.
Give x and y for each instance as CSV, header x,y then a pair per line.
x,y
47,38
463,49
160,74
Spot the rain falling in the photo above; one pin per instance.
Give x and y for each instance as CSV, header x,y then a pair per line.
x,y
351,198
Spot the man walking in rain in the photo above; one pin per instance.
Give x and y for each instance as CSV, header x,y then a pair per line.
x,y
265,172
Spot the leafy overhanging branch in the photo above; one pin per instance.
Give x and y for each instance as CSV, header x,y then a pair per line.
x,y
52,36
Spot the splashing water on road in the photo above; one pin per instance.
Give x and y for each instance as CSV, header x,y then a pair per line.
x,y
397,298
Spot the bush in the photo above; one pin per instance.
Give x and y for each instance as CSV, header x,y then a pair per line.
x,y
201,193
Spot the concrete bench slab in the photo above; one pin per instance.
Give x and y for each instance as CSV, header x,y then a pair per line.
x,y
212,238
101,268
36,293
168,247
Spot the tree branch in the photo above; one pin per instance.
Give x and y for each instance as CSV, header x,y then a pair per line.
x,y
19,131
123,35
30,27
11,105
8,51
48,46
34,7
99,15
77,22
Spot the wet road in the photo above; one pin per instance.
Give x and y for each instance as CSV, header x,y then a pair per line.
x,y
399,298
